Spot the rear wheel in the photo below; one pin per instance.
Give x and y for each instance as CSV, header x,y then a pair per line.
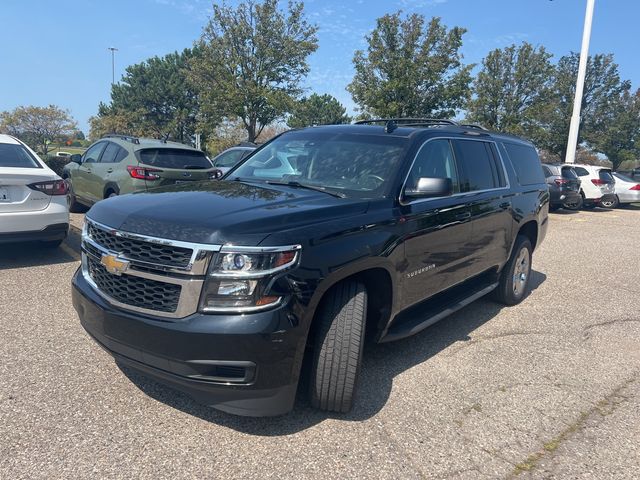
x,y
612,203
338,347
72,201
575,205
514,279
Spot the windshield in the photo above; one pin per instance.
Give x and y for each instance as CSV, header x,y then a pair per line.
x,y
12,155
174,158
354,165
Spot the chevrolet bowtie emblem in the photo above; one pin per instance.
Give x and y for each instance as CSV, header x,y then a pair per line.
x,y
113,264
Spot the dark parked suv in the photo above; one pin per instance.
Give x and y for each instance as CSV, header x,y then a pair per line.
x,y
564,186
325,235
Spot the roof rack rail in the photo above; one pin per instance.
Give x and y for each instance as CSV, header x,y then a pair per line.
x,y
128,138
473,125
408,121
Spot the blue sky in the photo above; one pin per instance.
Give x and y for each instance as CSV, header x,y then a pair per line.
x,y
56,51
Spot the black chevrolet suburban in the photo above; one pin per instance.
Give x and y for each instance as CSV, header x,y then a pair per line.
x,y
319,239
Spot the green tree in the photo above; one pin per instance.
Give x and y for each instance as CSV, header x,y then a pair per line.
x,y
512,89
318,110
601,88
153,98
38,126
616,131
251,61
410,71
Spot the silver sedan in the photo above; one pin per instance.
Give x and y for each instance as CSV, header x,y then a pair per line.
x,y
627,189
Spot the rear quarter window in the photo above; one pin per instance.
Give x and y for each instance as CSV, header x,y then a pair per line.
x,y
583,172
526,163
173,158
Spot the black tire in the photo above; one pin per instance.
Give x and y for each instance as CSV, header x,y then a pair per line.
x,y
577,205
506,291
338,347
52,243
614,203
72,201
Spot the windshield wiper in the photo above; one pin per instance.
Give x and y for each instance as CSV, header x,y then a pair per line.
x,y
315,188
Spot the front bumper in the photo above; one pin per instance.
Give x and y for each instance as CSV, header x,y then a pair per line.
x,y
241,364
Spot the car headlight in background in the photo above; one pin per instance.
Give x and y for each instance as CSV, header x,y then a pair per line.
x,y
239,278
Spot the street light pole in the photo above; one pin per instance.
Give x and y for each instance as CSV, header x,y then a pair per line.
x,y
113,64
582,71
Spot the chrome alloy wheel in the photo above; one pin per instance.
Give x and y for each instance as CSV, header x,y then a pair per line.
x,y
521,272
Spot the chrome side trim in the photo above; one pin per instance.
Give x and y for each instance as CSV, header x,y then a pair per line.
x,y
461,194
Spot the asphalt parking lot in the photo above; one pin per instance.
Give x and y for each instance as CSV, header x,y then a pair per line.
x,y
547,389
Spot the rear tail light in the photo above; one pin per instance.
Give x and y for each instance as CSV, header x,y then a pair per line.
x,y
52,187
635,187
561,181
143,173
598,182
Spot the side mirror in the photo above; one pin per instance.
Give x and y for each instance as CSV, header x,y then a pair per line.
x,y
429,187
76,158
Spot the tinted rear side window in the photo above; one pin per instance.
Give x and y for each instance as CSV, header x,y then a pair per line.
x,y
569,173
479,169
173,158
583,172
526,163
12,155
605,175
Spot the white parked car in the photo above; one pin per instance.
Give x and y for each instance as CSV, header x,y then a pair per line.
x,y
597,186
627,189
33,199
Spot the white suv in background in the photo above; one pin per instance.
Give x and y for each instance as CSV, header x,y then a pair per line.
x,y
33,199
597,187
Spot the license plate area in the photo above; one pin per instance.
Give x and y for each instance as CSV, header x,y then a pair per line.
x,y
4,195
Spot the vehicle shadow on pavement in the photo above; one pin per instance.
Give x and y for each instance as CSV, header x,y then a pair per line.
x,y
33,254
381,363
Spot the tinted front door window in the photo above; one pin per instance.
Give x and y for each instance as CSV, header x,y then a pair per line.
x,y
435,160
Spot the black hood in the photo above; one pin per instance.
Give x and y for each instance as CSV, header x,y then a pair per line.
x,y
221,212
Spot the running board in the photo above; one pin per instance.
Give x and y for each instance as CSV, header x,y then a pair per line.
x,y
421,317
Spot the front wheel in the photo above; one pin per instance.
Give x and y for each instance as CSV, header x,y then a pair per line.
x,y
338,347
514,279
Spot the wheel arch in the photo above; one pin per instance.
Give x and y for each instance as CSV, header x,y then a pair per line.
x,y
110,187
379,283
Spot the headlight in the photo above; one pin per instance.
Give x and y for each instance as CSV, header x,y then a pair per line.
x,y
240,278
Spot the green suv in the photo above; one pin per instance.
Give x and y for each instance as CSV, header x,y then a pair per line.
x,y
119,164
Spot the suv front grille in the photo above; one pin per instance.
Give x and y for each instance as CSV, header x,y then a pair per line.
x,y
135,291
148,252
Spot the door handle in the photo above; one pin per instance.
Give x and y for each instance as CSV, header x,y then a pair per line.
x,y
463,216
110,170
505,205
